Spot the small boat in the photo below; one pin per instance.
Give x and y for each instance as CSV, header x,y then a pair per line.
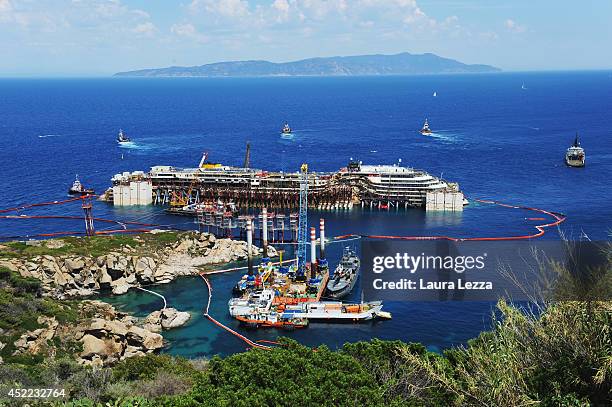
x,y
78,189
523,87
286,129
575,156
435,94
426,131
273,319
345,275
122,138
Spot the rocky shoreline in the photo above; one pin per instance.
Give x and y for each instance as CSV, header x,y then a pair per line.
x,y
67,269
103,336
69,276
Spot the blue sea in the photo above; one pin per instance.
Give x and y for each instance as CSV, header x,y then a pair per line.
x,y
497,140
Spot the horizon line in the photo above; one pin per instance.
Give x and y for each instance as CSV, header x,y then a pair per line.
x,y
112,75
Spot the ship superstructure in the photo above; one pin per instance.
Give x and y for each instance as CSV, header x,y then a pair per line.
x,y
373,186
384,185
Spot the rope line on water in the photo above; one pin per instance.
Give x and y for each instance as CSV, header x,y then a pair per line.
x,y
558,219
27,206
219,324
154,293
145,227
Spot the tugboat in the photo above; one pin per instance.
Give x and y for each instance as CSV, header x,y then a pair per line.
x,y
345,275
78,189
122,138
575,156
286,129
426,131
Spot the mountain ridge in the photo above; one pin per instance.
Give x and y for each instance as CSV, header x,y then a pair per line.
x,y
357,65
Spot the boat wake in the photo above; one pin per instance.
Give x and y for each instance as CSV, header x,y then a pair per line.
x,y
131,145
288,137
443,136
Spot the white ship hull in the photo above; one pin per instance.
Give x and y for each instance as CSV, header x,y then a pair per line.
x,y
336,311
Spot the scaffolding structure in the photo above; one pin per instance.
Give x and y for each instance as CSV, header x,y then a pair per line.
x,y
89,221
302,238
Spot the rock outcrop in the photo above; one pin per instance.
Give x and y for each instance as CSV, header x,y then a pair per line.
x,y
166,318
105,335
79,276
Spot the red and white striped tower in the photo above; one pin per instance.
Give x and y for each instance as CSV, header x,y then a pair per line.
x,y
322,237
313,252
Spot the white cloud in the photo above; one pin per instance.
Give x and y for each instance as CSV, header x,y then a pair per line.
x,y
6,11
282,7
5,6
319,9
146,29
188,31
224,8
513,26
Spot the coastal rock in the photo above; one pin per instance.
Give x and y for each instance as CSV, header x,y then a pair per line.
x,y
66,276
131,351
74,265
108,349
92,346
61,278
167,318
172,318
145,269
149,340
91,308
111,335
120,286
104,279
35,342
100,327
116,265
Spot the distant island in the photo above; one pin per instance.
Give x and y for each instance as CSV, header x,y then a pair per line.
x,y
361,65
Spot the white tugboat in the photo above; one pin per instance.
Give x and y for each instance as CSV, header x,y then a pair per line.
x,y
286,129
78,189
426,131
122,138
575,156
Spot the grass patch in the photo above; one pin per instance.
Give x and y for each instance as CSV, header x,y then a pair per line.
x,y
94,246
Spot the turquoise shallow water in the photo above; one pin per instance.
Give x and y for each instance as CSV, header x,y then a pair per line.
x,y
497,140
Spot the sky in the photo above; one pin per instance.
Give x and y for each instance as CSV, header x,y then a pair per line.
x,y
101,37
